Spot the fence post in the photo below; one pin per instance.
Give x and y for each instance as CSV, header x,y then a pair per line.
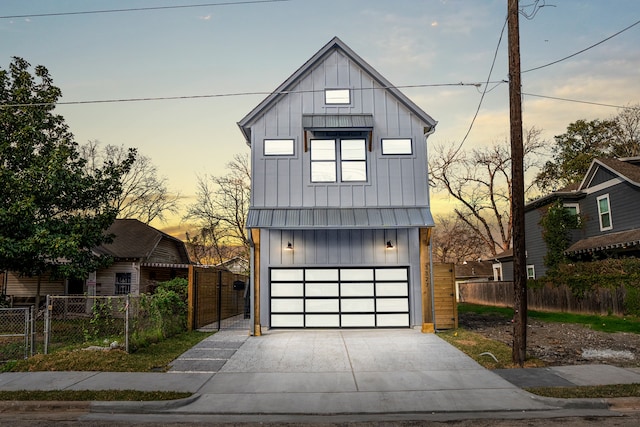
x,y
126,324
32,316
47,324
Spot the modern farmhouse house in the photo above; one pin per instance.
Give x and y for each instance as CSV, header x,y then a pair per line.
x,y
339,219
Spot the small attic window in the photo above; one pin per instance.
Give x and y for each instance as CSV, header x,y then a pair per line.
x,y
337,96
278,147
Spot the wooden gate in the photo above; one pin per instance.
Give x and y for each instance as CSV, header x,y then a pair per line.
x,y
218,299
444,296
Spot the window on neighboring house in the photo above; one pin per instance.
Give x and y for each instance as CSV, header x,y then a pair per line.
x,y
337,96
327,154
123,283
497,272
531,271
391,146
278,147
604,213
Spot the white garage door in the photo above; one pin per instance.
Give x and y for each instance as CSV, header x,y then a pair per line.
x,y
339,297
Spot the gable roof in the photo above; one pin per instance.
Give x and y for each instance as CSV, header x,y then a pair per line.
x,y
136,240
627,169
334,44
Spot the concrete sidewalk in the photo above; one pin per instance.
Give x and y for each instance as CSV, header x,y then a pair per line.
x,y
332,372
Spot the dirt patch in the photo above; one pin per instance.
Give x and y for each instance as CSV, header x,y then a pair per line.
x,y
560,343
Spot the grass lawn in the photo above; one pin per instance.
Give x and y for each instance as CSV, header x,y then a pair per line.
x,y
599,323
155,358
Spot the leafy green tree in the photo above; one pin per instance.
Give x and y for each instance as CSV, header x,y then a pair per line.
x,y
52,212
574,151
557,224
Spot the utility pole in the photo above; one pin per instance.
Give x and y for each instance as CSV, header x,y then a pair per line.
x,y
517,189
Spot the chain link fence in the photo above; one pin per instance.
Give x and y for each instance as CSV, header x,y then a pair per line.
x,y
16,333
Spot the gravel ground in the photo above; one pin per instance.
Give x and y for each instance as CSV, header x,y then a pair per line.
x,y
560,343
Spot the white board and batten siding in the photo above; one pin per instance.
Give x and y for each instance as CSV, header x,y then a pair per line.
x,y
392,180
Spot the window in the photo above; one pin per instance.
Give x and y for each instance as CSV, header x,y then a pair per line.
x,y
497,272
352,158
396,146
572,208
531,271
337,96
604,213
123,283
278,147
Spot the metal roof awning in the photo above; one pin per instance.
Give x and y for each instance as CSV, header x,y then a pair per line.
x,y
612,241
337,121
163,265
339,218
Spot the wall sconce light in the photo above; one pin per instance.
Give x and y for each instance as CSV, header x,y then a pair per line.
x,y
389,245
289,247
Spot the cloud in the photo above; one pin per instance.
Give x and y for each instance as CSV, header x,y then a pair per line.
x,y
205,18
435,24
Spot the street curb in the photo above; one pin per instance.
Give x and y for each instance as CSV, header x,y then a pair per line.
x,y
140,407
44,406
573,403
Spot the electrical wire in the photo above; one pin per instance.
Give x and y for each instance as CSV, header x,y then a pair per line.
x,y
583,50
219,95
484,92
139,9
580,102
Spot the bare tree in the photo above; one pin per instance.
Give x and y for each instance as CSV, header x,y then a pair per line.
x,y
455,242
626,141
220,213
480,181
145,195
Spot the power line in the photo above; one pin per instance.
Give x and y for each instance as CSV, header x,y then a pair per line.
x,y
585,49
139,9
218,95
484,92
579,102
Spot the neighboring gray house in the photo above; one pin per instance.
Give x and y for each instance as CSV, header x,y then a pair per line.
x,y
339,219
608,202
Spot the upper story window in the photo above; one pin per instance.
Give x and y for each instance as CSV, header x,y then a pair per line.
x,y
337,96
278,147
604,213
340,159
391,146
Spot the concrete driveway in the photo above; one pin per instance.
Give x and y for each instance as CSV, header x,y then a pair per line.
x,y
347,371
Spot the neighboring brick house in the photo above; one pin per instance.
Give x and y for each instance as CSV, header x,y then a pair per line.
x,y
608,202
143,256
339,219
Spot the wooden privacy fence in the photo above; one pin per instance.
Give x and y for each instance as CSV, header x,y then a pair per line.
x,y
601,301
218,298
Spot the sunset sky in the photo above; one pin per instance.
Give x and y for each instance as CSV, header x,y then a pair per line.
x,y
223,58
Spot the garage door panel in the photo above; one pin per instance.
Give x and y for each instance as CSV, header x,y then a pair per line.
x,y
287,290
358,320
392,305
322,320
392,320
322,306
287,305
322,289
356,289
397,289
357,305
287,321
391,274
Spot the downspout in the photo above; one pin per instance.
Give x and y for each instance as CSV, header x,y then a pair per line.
x,y
252,249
